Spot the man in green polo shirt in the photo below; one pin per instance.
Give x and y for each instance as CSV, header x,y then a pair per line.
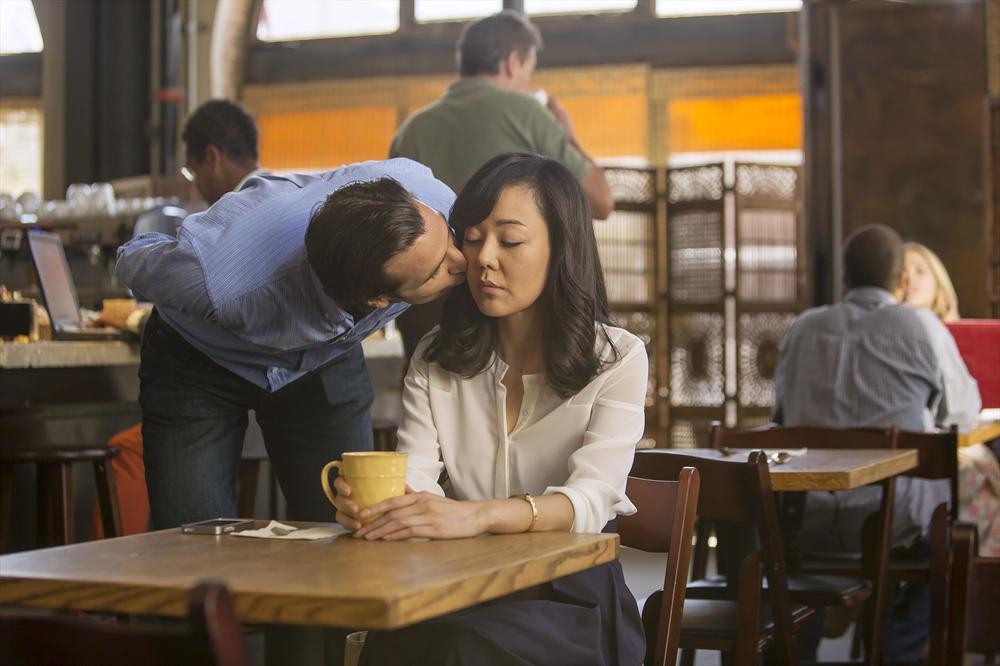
x,y
488,111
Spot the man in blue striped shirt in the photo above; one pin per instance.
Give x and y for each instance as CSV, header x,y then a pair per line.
x,y
261,303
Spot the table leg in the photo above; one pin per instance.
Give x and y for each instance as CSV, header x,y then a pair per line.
x,y
790,519
877,543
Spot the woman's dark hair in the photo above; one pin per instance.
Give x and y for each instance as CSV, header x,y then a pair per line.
x,y
573,298
350,237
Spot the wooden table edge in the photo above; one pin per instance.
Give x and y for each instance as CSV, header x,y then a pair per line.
x,y
853,479
980,434
299,609
405,610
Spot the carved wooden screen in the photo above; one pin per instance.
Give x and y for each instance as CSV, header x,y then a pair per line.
x,y
768,282
734,286
696,295
627,242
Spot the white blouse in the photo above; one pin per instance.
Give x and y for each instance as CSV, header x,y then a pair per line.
x,y
581,446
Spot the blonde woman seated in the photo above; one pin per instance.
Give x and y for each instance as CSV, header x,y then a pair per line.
x,y
528,399
929,286
927,283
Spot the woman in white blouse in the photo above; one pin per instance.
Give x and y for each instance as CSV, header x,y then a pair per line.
x,y
532,404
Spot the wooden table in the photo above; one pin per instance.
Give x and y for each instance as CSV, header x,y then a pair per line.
x,y
982,432
829,469
833,469
341,582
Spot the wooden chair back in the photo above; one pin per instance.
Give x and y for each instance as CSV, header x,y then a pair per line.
x,y
212,637
938,452
737,491
876,530
973,601
664,523
795,437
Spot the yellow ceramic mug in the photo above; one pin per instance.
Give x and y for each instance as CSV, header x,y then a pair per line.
x,y
372,475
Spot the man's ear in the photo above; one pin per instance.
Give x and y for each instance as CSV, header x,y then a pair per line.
x,y
379,302
213,157
510,63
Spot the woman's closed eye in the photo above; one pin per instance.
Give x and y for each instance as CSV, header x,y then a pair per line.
x,y
511,243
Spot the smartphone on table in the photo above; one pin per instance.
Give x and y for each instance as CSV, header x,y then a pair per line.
x,y
217,526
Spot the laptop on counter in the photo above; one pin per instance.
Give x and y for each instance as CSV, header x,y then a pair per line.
x,y
59,291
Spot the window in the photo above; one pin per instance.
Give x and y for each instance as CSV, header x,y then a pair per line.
x,y
706,7
288,20
21,147
577,6
19,28
751,122
449,10
319,139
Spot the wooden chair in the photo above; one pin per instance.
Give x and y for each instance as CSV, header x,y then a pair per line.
x,y
973,600
737,492
212,636
663,523
54,508
827,583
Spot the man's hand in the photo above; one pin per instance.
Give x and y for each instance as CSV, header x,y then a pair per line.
x,y
423,515
124,314
562,117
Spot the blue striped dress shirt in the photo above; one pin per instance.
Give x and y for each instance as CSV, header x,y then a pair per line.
x,y
237,285
870,361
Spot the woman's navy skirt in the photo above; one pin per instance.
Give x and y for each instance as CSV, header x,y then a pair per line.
x,y
585,619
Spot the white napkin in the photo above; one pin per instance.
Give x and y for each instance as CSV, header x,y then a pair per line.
x,y
792,452
276,530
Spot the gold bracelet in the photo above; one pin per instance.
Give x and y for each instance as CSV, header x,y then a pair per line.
x,y
534,508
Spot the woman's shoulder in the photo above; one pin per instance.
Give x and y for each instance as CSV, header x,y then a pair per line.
x,y
624,344
421,350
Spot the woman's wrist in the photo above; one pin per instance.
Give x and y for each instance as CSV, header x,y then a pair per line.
x,y
506,516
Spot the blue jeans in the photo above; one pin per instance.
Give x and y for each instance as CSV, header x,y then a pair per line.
x,y
194,418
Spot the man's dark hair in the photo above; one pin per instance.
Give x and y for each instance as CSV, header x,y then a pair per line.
x,y
350,237
873,257
486,43
225,124
573,298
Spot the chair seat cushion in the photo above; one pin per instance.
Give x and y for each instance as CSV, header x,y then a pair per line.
x,y
906,568
803,588
713,619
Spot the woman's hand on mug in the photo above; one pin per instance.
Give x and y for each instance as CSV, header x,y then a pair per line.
x,y
422,515
347,511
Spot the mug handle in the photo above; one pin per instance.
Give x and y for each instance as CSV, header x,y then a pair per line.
x,y
325,478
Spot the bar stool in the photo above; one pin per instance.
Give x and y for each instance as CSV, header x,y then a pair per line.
x,y
54,491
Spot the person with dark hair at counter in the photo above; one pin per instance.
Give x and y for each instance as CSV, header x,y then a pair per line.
x,y
262,302
220,148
